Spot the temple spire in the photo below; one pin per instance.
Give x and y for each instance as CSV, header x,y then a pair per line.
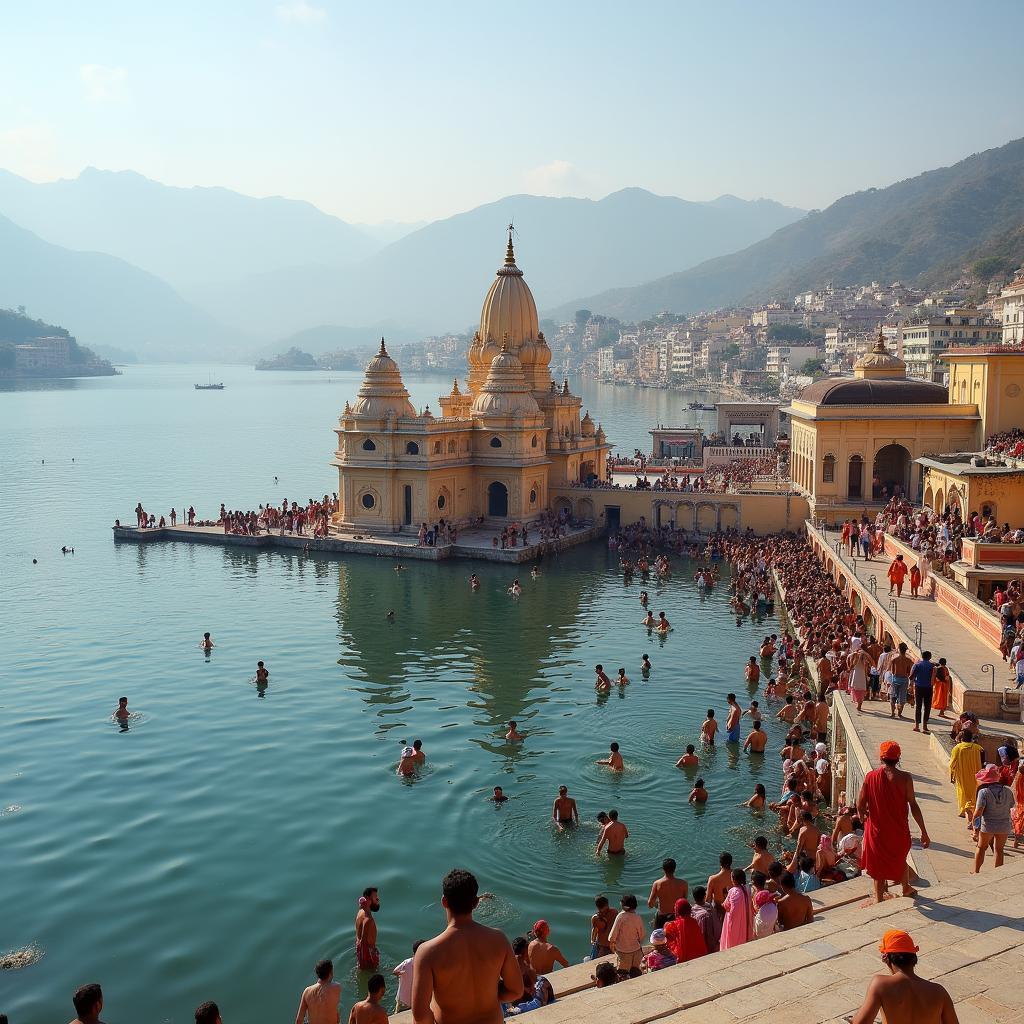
x,y
510,256
383,350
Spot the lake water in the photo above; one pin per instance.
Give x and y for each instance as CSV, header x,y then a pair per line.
x,y
217,848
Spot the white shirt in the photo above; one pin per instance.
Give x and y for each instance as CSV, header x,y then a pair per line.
x,y
627,932
404,972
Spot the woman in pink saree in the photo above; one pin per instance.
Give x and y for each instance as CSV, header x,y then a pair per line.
x,y
739,914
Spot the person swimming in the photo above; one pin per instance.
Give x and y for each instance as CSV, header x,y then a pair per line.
x,y
515,590
474,582
121,712
514,735
207,643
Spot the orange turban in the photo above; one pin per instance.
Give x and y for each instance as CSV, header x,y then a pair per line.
x,y
895,941
889,750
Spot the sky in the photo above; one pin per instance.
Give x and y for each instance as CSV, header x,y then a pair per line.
x,y
406,111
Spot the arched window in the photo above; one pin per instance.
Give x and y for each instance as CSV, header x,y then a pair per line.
x,y
441,501
451,447
369,446
412,448
533,495
368,500
533,443
495,442
437,447
828,469
855,477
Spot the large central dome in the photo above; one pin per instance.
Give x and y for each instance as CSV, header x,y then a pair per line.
x,y
509,318
509,312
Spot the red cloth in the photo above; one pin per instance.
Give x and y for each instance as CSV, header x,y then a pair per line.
x,y
685,939
886,830
367,956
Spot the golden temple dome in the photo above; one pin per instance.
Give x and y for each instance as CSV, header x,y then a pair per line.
x,y
509,316
879,362
505,392
383,392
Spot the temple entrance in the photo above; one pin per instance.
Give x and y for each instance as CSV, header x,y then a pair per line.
x,y
407,510
497,499
612,517
891,473
854,482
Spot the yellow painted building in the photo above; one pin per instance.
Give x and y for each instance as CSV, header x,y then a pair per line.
x,y
854,440
497,448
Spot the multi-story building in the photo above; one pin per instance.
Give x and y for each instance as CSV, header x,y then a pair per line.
x,y
925,339
771,315
606,361
783,360
43,354
1010,309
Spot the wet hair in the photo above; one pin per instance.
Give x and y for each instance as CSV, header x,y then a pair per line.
x,y
459,888
519,945
690,748
758,879
207,1013
787,881
563,789
614,747
369,891
122,700
776,870
259,664
759,789
711,712
416,945
725,859
606,974
512,722
699,784
417,744
323,969
761,842
613,814
700,893
599,668
730,696
668,865
805,864
85,999
601,901
757,724
376,984
628,901
789,698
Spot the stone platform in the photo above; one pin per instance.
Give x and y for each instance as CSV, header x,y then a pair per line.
x,y
472,543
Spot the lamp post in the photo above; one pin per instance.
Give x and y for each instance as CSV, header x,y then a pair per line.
x,y
991,669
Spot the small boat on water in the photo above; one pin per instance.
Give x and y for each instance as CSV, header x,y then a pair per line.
x,y
209,387
701,406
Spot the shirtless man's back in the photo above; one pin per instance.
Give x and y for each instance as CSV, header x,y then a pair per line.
x,y
319,1002
902,996
463,975
667,889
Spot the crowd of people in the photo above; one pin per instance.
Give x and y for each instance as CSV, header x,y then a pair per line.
x,y
1006,442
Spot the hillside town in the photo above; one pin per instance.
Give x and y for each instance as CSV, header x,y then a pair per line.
x,y
778,347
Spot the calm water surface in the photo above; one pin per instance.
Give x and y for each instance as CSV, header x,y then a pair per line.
x,y
217,848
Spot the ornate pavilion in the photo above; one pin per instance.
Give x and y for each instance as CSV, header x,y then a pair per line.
x,y
496,449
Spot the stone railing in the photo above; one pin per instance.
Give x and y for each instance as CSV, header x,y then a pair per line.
x,y
977,553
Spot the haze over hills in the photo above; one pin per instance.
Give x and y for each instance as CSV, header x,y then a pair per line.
x,y
434,279
914,228
103,300
184,235
271,267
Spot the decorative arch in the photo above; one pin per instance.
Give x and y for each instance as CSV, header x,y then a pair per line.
x,y
368,445
828,469
729,517
890,473
368,500
940,501
412,448
495,442
452,446
443,501
533,441
855,477
497,499
561,503
929,497
585,509
707,517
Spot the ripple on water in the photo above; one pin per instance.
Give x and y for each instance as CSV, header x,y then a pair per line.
x,y
17,959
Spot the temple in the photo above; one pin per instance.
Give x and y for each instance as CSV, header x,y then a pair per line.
x,y
498,447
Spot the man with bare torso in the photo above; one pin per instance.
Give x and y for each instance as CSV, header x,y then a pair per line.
x,y
369,1010
795,908
666,890
757,739
614,834
463,975
903,997
367,954
807,839
563,811
721,882
319,1002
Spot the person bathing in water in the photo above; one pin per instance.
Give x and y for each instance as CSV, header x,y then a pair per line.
x,y
613,760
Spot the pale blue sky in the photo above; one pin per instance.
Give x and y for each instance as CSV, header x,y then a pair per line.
x,y
411,111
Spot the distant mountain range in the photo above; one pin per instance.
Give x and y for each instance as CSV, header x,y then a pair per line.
x,y
266,268
104,300
922,227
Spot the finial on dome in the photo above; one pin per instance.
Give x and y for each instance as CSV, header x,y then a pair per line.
x,y
504,342
565,386
348,408
455,387
880,341
383,350
510,256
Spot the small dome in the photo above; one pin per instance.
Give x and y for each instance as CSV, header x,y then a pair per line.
x,y
587,425
505,392
879,362
382,392
868,391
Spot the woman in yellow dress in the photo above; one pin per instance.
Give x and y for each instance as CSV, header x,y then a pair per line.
x,y
964,764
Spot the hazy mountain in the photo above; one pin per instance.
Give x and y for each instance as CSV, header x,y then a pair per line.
x,y
902,232
103,300
184,235
332,338
434,279
388,231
